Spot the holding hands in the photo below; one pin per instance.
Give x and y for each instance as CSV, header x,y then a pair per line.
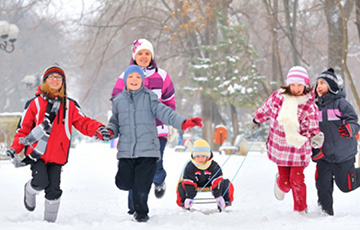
x,y
104,134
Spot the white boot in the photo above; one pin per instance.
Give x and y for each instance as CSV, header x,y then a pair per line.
x,y
51,210
280,195
30,196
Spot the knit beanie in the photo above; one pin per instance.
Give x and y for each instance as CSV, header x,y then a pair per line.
x,y
331,80
297,75
140,44
53,69
133,69
201,148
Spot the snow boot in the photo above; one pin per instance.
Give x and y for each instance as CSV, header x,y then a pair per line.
x,y
279,194
30,196
160,190
141,218
51,210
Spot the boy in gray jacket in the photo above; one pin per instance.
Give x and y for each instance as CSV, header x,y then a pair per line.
x,y
133,118
335,160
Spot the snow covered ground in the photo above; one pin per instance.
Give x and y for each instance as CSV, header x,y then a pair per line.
x,y
91,200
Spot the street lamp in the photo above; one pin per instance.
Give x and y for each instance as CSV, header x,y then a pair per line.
x,y
8,35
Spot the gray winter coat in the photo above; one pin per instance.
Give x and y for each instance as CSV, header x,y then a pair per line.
x,y
133,118
336,111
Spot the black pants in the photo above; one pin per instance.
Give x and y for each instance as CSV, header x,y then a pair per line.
x,y
46,176
345,175
137,175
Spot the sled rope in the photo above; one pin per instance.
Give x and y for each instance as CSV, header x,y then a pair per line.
x,y
225,161
252,142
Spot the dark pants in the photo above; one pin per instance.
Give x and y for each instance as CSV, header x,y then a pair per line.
x,y
137,175
159,177
46,176
226,190
346,176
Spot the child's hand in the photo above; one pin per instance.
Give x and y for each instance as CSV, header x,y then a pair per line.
x,y
189,123
220,203
188,203
317,154
104,134
254,125
317,140
345,131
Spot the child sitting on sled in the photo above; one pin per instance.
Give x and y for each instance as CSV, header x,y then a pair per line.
x,y
201,172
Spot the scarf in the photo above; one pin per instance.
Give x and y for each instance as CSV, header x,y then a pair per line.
x,y
42,131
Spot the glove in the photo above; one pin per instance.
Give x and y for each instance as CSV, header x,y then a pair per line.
x,y
255,125
317,154
220,203
189,123
345,131
14,158
188,203
104,134
317,140
10,153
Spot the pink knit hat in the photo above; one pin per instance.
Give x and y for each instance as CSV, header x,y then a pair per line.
x,y
297,75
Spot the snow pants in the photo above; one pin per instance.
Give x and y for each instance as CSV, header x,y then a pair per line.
x,y
46,176
224,185
159,177
345,175
293,178
137,175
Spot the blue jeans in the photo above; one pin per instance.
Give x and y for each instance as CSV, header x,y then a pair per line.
x,y
159,177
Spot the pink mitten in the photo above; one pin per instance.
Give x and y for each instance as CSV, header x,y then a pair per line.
x,y
188,203
220,203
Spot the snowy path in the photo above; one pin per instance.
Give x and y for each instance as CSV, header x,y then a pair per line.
x,y
91,200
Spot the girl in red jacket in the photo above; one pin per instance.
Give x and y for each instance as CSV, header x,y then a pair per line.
x,y
45,132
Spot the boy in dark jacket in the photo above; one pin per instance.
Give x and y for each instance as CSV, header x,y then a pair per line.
x,y
203,173
133,118
339,123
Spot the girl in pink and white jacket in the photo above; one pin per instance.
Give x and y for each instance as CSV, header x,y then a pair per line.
x,y
158,81
294,130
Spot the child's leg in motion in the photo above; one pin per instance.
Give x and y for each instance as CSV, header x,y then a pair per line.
x,y
325,186
180,195
284,179
125,175
347,177
52,193
298,187
144,173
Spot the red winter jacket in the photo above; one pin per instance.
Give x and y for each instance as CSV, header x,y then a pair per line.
x,y
58,145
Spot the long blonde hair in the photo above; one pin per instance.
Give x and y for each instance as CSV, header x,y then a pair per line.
x,y
47,91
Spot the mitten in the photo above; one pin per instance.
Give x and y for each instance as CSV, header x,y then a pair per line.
x,y
255,125
192,122
10,153
317,140
220,203
188,203
345,131
104,134
317,154
189,123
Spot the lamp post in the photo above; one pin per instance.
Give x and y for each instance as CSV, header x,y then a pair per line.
x,y
8,35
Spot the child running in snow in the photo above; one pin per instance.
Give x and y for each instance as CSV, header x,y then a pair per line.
x,y
203,172
45,132
294,131
133,118
335,160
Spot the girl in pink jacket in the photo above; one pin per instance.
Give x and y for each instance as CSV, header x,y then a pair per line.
x,y
294,130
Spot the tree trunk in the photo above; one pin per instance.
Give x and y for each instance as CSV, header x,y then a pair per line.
x,y
235,123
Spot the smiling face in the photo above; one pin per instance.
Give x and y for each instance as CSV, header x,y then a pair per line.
x,y
133,81
297,89
143,58
54,81
322,87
